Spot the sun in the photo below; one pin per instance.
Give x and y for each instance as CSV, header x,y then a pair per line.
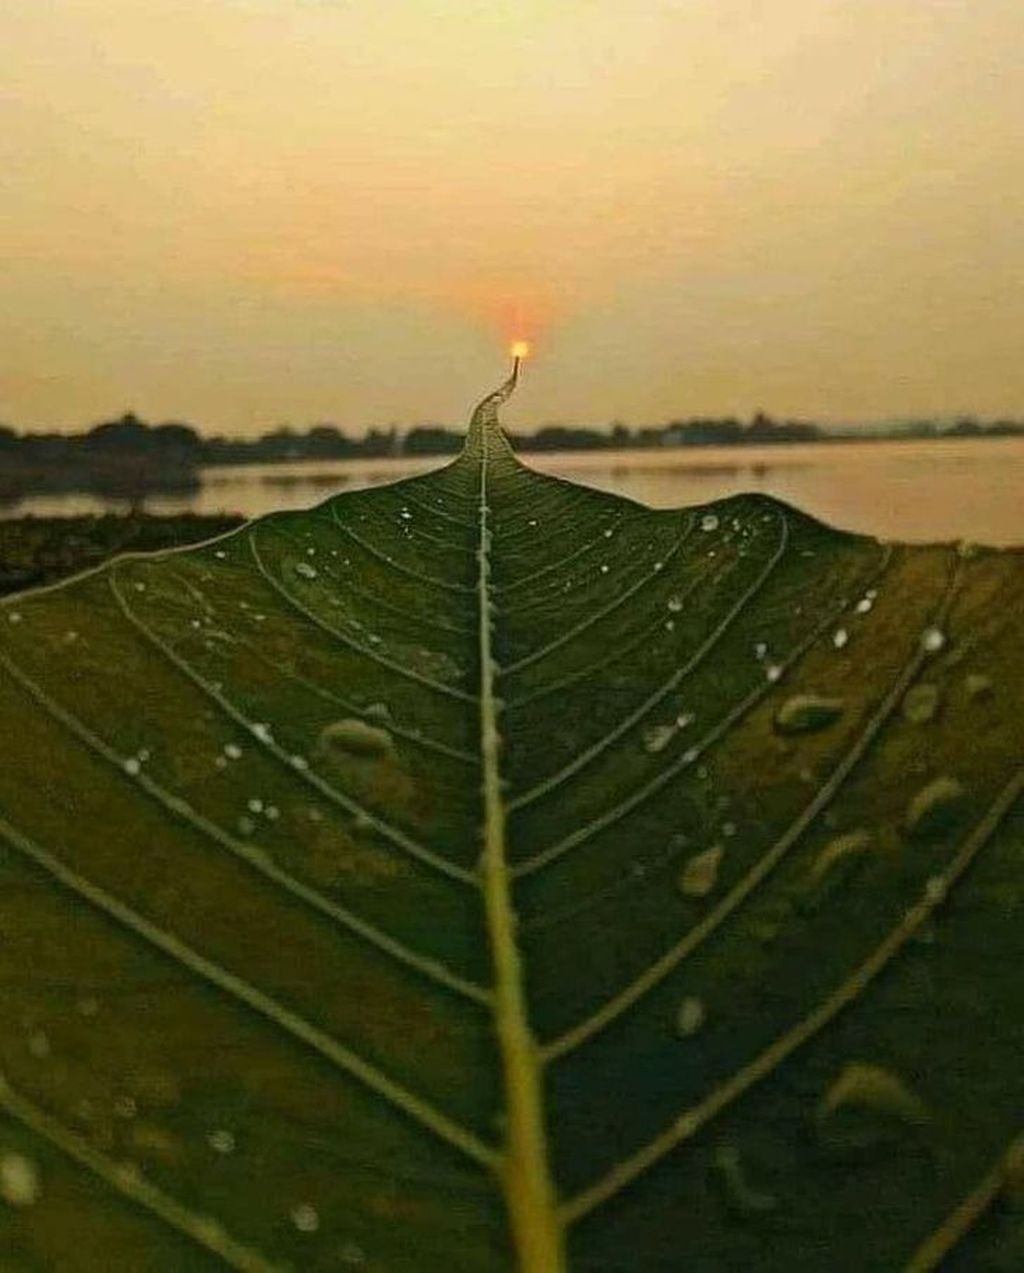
x,y
520,349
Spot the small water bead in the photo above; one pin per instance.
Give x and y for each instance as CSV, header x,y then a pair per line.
x,y
840,637
298,762
305,1218
246,826
690,755
304,569
125,1107
195,623
934,808
684,719
255,805
932,640
675,604
232,751
221,1141
39,1045
608,534
262,732
978,685
709,522
310,552
20,1185
773,672
140,587
690,1017
128,1174
935,890
220,554
921,703
760,649
659,565
864,605
868,1103
700,874
740,1194
131,766
604,569
14,617
657,737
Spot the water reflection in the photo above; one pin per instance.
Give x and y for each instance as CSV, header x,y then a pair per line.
x,y
914,490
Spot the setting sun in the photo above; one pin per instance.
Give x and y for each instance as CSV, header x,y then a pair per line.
x,y
520,349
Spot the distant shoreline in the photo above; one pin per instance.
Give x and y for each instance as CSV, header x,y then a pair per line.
x,y
128,460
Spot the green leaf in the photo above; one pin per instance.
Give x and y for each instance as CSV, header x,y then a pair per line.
x,y
421,882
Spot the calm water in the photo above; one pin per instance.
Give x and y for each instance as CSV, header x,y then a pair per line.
x,y
919,491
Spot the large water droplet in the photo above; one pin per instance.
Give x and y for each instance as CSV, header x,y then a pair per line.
x,y
804,713
358,737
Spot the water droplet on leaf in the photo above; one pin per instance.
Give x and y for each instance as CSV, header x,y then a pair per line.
x,y
19,1180
700,874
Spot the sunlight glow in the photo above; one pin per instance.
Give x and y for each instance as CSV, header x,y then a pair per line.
x,y
520,349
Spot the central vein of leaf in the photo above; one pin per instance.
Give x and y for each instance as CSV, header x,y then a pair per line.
x,y
529,1192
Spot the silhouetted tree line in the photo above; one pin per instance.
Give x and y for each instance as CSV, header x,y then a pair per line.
x,y
124,455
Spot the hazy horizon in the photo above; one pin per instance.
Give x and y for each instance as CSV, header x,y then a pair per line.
x,y
249,212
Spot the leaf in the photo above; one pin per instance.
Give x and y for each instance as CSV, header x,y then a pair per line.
x,y
340,923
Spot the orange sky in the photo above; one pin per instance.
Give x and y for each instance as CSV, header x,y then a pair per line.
x,y
241,212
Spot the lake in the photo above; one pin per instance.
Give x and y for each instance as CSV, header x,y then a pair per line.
x,y
914,490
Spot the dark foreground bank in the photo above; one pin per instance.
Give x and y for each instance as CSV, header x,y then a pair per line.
x,y
41,550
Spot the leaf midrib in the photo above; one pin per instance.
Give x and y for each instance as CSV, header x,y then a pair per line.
x,y
537,1230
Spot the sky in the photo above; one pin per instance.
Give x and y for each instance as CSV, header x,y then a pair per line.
x,y
249,212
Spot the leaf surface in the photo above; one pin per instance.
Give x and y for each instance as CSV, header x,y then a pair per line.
x,y
484,872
